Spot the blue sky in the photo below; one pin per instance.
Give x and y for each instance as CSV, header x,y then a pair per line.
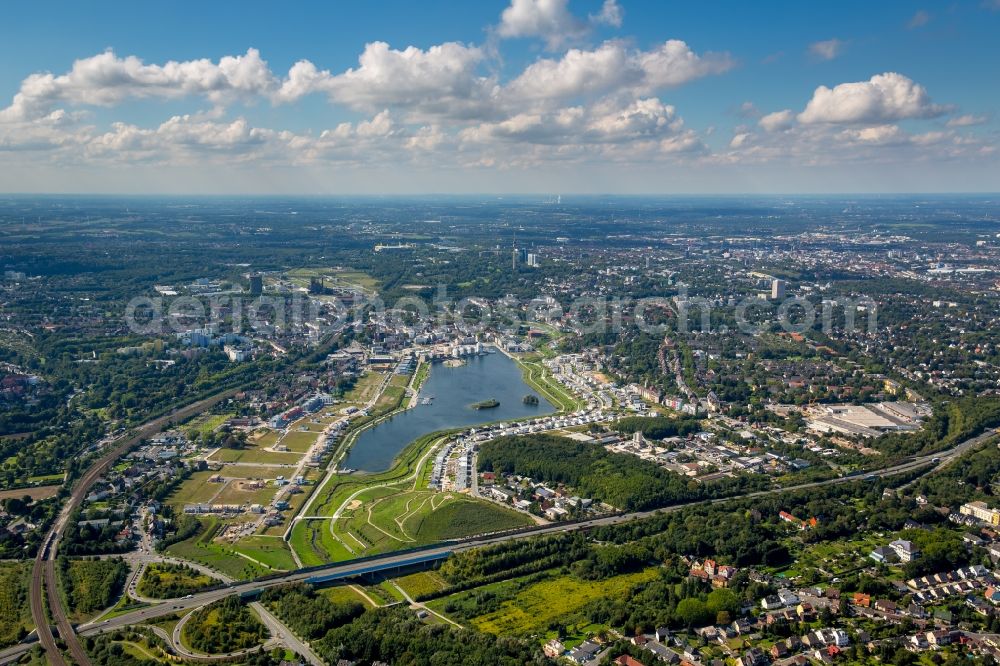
x,y
518,96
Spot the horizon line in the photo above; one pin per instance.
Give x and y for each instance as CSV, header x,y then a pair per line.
x,y
505,194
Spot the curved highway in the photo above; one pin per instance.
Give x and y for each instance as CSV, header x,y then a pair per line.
x,y
44,568
44,562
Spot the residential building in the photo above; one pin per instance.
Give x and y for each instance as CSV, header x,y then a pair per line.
x,y
904,550
980,511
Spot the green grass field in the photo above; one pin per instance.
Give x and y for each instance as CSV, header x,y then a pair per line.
x,y
340,594
253,471
265,438
334,276
205,423
531,609
464,517
395,518
299,441
356,279
364,388
424,582
272,551
196,490
202,549
314,543
237,491
254,453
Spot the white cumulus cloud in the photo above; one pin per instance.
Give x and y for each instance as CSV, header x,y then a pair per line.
x,y
552,20
613,66
606,122
883,98
778,120
441,79
106,79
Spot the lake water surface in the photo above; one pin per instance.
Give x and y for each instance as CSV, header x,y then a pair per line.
x,y
454,390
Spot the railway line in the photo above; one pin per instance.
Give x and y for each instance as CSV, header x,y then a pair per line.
x,y
44,567
43,575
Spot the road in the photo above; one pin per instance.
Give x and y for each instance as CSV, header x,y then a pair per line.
x,y
392,561
387,562
44,568
284,635
274,627
417,606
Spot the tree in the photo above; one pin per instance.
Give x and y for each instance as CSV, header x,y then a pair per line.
x,y
692,611
722,600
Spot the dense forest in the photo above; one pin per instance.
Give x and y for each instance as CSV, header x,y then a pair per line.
x,y
309,614
91,585
21,544
396,636
658,427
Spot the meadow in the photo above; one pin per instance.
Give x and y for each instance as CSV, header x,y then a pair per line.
x,y
527,608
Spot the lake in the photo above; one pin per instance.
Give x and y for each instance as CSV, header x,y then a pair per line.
x,y
454,390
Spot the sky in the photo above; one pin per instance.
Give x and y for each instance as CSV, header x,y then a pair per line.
x,y
513,96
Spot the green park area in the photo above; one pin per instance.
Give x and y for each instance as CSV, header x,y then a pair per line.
x,y
345,594
540,378
355,515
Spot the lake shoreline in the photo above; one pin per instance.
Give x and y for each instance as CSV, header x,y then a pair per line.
x,y
489,376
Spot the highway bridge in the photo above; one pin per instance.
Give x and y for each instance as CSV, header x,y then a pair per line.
x,y
392,561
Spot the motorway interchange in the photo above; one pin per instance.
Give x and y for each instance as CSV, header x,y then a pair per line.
x,y
378,564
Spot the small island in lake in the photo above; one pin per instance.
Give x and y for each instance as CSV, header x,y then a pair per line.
x,y
486,404
530,399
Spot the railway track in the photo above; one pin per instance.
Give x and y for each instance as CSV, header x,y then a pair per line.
x,y
43,575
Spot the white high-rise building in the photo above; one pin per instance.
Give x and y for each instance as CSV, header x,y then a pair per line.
x,y
777,289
